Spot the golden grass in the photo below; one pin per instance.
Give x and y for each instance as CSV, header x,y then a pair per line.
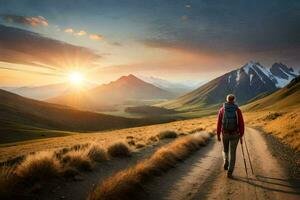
x,y
127,184
119,149
105,138
283,124
97,153
77,160
38,167
7,181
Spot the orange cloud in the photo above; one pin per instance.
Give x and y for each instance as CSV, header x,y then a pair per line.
x,y
80,33
69,30
26,20
96,37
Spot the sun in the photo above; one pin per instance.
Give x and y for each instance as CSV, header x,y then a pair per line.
x,y
76,78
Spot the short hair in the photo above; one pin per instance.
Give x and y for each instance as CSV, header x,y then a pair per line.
x,y
230,98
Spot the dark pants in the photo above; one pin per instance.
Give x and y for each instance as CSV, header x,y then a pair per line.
x,y
230,143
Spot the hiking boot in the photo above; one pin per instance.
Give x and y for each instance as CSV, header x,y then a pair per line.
x,y
229,175
226,165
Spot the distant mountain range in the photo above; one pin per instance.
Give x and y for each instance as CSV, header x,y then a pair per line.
x,y
247,82
106,96
175,88
44,92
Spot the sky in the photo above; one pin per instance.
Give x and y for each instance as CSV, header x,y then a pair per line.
x,y
42,42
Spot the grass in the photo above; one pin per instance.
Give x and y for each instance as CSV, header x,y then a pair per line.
x,y
71,155
97,153
119,149
7,181
105,139
128,184
283,124
78,160
272,116
167,134
38,167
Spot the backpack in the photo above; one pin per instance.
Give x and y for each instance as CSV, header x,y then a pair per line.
x,y
230,120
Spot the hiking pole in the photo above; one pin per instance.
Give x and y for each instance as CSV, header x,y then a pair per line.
x,y
248,156
244,159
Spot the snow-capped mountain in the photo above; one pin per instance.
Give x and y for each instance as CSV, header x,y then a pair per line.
x,y
279,73
247,82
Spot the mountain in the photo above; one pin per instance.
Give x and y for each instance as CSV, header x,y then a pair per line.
x,y
23,118
41,92
125,89
175,88
44,92
247,83
287,97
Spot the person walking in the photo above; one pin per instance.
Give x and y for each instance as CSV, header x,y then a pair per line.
x,y
231,127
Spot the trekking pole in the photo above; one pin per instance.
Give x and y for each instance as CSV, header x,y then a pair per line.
x,y
244,159
248,156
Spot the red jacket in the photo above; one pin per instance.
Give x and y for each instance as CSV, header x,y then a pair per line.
x,y
241,127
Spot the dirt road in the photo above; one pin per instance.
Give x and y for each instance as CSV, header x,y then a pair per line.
x,y
202,176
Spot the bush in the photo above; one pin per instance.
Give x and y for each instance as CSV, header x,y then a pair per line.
x,y
119,149
96,153
167,134
38,167
78,160
128,184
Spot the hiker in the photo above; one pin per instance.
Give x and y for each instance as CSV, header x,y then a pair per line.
x,y
231,126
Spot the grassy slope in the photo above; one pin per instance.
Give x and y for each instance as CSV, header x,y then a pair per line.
x,y
278,114
23,118
104,138
193,101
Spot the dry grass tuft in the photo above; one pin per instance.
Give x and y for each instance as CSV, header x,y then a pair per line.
x,y
272,116
119,149
167,134
97,153
8,180
127,184
78,160
140,145
196,130
38,167
153,139
131,142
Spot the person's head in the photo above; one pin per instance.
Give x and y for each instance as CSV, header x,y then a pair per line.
x,y
230,98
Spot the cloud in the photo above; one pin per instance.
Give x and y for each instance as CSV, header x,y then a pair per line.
x,y
76,33
69,30
80,33
20,46
26,20
96,37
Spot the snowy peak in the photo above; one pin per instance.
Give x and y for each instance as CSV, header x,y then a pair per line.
x,y
279,74
282,71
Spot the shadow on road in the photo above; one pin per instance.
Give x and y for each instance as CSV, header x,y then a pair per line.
x,y
267,184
